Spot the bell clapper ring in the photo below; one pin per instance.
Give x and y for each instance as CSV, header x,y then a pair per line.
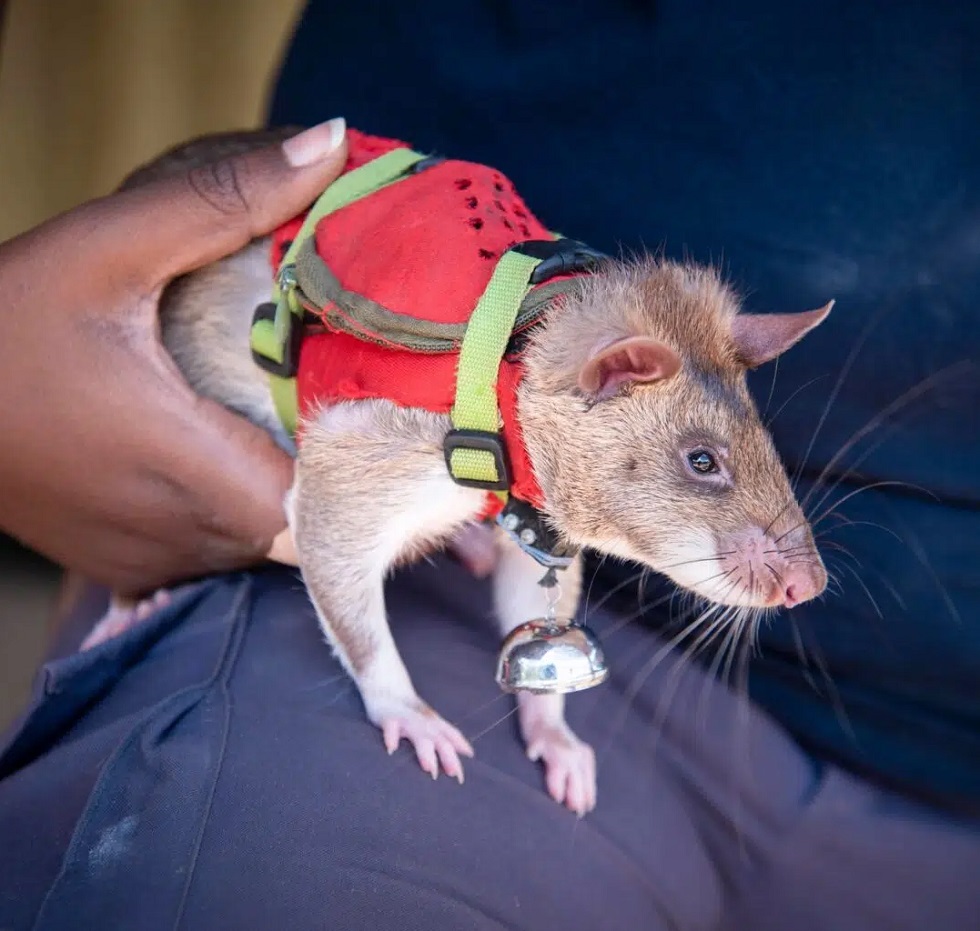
x,y
552,588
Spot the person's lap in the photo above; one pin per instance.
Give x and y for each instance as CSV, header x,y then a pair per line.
x,y
213,767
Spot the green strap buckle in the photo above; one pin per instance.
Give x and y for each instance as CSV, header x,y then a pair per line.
x,y
474,450
277,332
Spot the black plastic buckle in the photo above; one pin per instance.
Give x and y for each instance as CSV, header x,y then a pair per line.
x,y
290,351
482,441
559,257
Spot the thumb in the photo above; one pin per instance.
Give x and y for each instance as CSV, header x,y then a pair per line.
x,y
182,222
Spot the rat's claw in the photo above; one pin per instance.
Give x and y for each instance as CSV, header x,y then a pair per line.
x,y
577,793
425,750
569,766
437,743
391,732
449,757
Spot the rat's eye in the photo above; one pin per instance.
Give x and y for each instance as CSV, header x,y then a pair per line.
x,y
702,462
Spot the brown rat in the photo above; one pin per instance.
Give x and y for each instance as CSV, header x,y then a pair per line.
x,y
637,422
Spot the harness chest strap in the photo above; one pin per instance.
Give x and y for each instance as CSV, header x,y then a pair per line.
x,y
474,453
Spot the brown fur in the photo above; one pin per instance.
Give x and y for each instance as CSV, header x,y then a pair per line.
x,y
612,471
352,485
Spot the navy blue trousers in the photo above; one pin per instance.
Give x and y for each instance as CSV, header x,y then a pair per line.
x,y
213,768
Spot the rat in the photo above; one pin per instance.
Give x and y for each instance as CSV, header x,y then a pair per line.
x,y
641,438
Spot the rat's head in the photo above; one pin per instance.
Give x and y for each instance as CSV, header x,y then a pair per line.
x,y
647,444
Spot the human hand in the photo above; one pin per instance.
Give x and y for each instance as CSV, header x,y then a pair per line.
x,y
110,464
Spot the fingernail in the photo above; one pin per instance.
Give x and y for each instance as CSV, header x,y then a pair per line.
x,y
315,143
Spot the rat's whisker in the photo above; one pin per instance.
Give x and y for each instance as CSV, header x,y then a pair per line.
x,y
618,587
740,691
782,406
903,400
802,523
629,619
330,680
840,711
595,575
919,551
858,491
912,543
830,692
845,370
843,522
647,669
641,587
689,562
840,548
702,641
490,727
779,514
772,387
732,620
880,576
867,592
483,706
800,550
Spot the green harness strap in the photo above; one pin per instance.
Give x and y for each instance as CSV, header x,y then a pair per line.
x,y
371,177
475,409
271,337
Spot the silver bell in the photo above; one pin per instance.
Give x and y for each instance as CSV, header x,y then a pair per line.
x,y
549,657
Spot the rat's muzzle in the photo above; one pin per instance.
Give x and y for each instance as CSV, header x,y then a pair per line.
x,y
771,569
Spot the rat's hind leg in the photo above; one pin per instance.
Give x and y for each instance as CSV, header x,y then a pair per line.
x,y
372,490
122,614
475,546
569,763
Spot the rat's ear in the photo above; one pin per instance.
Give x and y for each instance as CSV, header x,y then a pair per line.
x,y
760,338
633,359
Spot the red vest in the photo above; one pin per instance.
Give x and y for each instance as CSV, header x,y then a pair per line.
x,y
425,246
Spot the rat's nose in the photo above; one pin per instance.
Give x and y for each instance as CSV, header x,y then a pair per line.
x,y
801,582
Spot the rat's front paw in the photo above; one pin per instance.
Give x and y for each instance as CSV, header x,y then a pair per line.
x,y
437,743
569,765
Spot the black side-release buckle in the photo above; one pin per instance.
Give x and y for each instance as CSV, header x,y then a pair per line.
x,y
559,257
290,351
482,441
